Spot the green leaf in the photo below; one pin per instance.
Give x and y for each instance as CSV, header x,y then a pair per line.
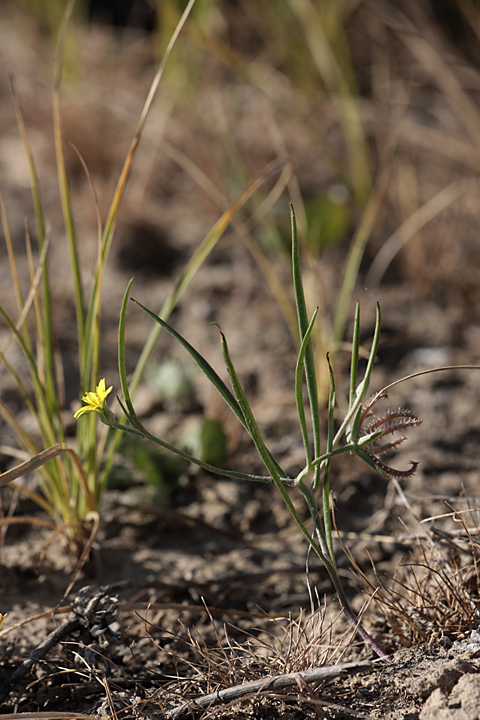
x,y
249,422
355,351
299,390
327,520
363,387
203,364
310,375
121,357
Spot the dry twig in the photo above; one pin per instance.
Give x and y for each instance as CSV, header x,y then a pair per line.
x,y
277,682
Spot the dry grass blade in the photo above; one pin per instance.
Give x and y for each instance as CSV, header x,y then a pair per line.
x,y
39,460
434,590
195,262
425,47
412,225
24,307
122,181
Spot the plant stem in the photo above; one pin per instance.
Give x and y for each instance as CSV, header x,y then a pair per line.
x,y
353,619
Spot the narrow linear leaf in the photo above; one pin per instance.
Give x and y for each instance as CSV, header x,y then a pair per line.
x,y
250,423
26,352
355,351
202,363
122,371
299,390
327,520
139,429
353,416
310,375
373,350
11,257
65,196
353,432
47,343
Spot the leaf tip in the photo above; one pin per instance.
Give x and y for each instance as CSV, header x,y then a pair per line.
x,y
219,329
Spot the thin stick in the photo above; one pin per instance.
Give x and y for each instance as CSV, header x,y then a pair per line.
x,y
267,684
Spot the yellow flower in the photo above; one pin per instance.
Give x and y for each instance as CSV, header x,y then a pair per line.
x,y
94,400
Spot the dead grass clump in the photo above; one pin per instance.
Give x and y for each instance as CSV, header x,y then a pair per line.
x,y
434,595
220,663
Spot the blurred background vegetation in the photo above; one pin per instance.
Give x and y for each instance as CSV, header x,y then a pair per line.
x,y
345,91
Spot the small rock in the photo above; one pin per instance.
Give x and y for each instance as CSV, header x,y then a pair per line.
x,y
463,703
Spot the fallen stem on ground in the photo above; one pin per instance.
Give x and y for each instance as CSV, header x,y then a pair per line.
x,y
277,682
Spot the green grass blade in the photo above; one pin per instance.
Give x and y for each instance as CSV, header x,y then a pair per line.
x,y
249,423
206,368
363,387
47,401
36,381
11,259
90,361
354,360
310,375
121,353
37,203
19,383
24,307
48,335
54,482
353,416
327,519
299,391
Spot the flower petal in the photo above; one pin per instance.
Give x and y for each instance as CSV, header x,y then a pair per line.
x,y
94,401
83,410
